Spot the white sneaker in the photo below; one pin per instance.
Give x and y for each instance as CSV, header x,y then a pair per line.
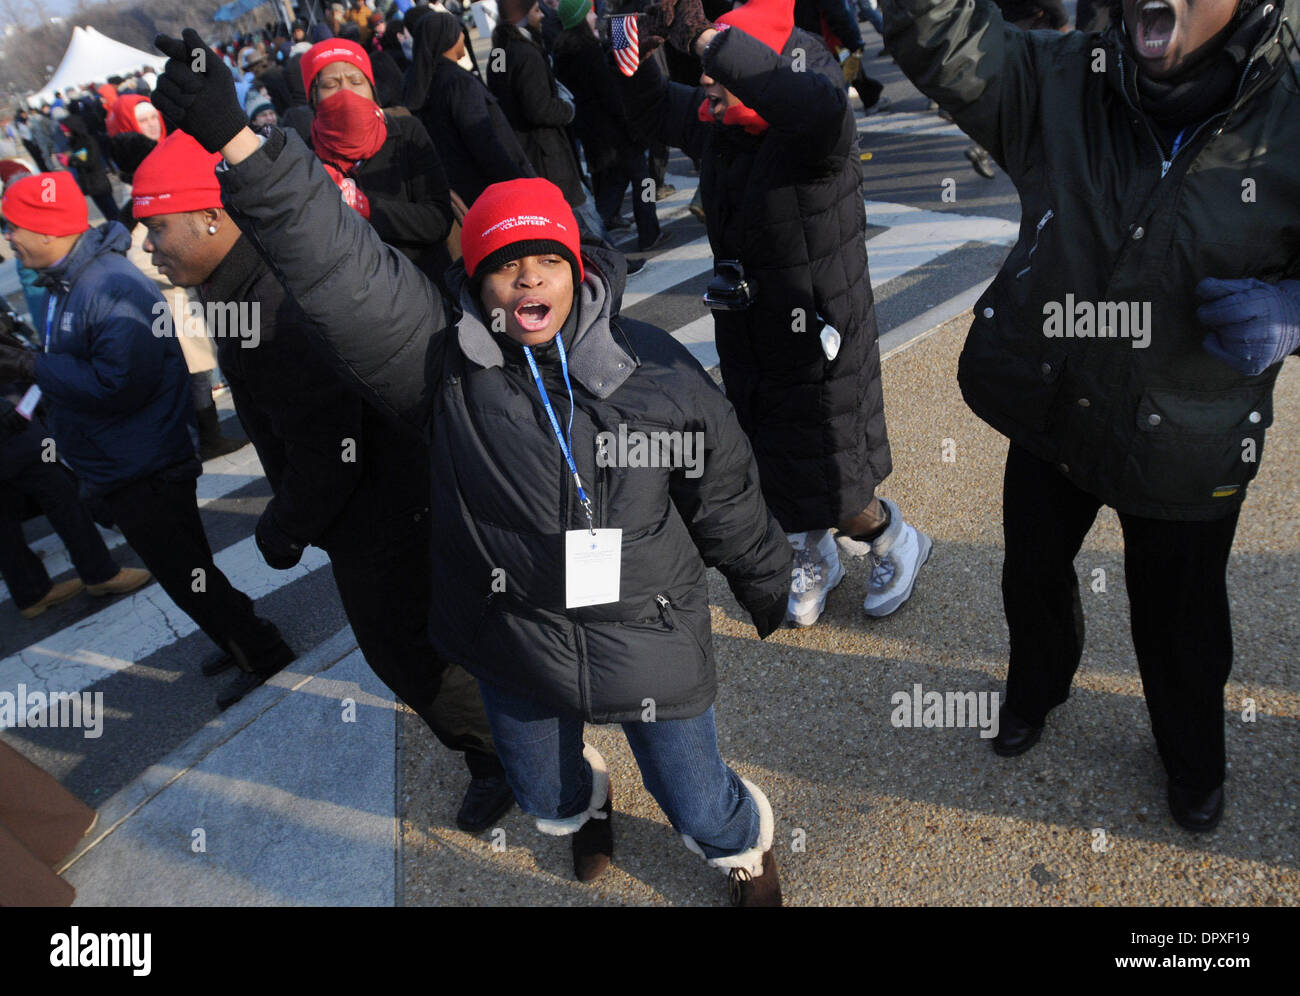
x,y
817,570
896,555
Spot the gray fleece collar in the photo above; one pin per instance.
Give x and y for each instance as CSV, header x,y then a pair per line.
x,y
596,360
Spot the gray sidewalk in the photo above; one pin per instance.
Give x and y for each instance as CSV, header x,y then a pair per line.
x,y
299,806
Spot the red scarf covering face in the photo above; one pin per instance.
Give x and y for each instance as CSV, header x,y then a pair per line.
x,y
736,114
348,128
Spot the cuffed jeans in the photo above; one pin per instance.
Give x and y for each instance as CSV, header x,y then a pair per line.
x,y
1178,599
679,761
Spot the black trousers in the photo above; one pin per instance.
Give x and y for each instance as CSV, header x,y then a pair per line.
x,y
385,589
610,184
159,516
53,487
1178,600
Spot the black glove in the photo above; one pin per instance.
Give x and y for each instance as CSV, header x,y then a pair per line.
x,y
280,550
16,364
196,92
13,332
770,618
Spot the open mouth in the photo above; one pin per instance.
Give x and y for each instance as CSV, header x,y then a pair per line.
x,y
533,314
1156,23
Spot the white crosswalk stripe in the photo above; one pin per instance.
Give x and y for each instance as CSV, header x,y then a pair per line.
x,y
134,627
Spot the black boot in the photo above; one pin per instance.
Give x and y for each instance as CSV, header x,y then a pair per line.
x,y
486,800
211,442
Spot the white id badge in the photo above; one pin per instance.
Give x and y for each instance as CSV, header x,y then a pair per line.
x,y
27,406
591,566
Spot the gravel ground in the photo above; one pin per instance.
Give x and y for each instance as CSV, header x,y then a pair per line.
x,y
868,813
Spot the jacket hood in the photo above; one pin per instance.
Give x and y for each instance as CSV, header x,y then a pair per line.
x,y
597,360
94,242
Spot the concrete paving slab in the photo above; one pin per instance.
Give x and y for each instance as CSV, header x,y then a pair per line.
x,y
286,799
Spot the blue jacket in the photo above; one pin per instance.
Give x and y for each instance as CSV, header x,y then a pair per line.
x,y
118,395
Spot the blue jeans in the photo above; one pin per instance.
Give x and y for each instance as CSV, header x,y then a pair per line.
x,y
866,12
679,761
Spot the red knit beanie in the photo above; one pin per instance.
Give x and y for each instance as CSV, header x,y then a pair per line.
x,y
330,50
520,218
177,176
770,21
46,203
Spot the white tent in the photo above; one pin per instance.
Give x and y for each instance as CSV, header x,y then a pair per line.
x,y
92,58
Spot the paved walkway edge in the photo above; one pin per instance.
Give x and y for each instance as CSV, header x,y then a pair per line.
x,y
120,807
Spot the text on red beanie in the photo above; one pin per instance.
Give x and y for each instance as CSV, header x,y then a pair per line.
x,y
179,175
330,50
47,203
519,218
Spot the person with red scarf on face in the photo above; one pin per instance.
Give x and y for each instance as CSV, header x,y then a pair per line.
x,y
385,165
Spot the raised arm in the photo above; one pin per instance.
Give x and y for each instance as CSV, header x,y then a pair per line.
x,y
372,310
981,70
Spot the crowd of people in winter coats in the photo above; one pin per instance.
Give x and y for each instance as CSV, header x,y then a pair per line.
x,y
426,240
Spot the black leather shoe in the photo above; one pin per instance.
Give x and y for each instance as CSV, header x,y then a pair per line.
x,y
1196,810
486,801
221,662
254,673
1015,736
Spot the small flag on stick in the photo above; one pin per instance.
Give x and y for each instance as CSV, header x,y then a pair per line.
x,y
623,38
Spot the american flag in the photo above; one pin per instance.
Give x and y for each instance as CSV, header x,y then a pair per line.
x,y
622,36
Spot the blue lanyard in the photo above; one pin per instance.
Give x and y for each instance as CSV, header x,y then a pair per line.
x,y
49,319
1178,143
565,448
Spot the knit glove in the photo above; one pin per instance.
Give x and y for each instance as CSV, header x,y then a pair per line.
x,y
1254,324
280,550
196,92
678,21
17,365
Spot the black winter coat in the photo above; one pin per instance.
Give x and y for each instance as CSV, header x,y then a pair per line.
x,y
1153,426
344,476
522,80
478,147
410,202
502,497
787,203
600,121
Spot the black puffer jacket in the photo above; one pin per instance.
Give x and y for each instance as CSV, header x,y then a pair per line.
x,y
343,475
502,497
787,203
522,81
